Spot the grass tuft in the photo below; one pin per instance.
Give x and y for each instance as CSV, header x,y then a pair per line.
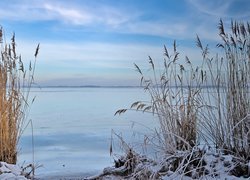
x,y
15,86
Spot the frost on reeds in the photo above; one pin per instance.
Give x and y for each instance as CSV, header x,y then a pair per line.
x,y
227,125
208,104
15,84
175,92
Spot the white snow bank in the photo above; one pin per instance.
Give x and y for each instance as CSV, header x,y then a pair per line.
x,y
186,165
11,172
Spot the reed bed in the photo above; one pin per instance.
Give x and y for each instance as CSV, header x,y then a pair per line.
x,y
228,124
175,92
15,84
203,111
208,103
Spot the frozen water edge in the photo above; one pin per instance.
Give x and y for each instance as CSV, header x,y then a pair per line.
x,y
142,166
15,172
66,174
78,176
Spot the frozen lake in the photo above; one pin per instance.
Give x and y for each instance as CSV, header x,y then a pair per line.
x,y
72,128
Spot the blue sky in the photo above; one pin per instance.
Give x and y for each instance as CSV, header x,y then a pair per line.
x,y
96,42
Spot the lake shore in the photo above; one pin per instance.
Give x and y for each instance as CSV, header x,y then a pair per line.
x,y
194,164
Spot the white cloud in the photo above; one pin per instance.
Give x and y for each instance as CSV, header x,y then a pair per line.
x,y
64,11
82,15
214,8
105,17
164,29
23,12
117,19
220,8
69,15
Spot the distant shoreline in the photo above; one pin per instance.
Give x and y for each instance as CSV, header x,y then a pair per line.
x,y
112,86
86,86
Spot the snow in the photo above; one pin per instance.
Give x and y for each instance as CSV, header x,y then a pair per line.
x,y
182,165
11,172
214,165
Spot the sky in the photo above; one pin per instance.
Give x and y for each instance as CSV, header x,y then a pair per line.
x,y
97,42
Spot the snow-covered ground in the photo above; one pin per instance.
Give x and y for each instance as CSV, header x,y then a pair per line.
x,y
11,172
15,172
186,165
195,164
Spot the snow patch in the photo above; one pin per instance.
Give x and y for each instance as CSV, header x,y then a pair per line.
x,y
186,165
11,172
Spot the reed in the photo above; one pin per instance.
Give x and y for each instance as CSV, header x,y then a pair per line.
x,y
209,102
174,89
228,124
15,84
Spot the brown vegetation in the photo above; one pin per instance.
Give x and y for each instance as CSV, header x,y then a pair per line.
x,y
15,84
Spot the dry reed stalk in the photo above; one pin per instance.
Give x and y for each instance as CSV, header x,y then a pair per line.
x,y
174,100
228,125
186,105
14,99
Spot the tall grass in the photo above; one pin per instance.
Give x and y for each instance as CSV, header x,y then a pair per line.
x,y
228,125
174,89
15,84
186,105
